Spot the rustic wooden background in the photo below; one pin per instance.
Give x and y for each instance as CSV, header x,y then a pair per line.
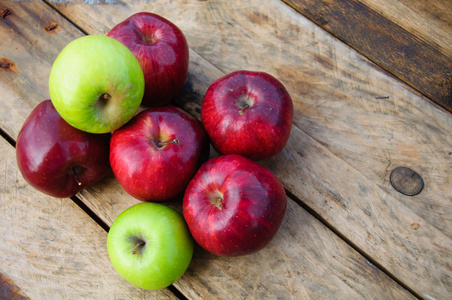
x,y
371,87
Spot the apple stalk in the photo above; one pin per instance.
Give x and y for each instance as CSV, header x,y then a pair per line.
x,y
161,144
140,244
74,170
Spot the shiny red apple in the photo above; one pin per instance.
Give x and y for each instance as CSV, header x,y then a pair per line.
x,y
57,159
157,153
162,50
234,206
248,113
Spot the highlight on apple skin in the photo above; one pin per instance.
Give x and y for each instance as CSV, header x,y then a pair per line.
x,y
149,245
162,50
56,158
96,84
234,206
248,113
158,152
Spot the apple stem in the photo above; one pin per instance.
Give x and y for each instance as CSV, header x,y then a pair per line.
x,y
139,244
160,144
219,203
241,112
149,39
76,176
105,96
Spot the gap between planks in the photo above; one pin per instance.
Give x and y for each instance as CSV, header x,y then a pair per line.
x,y
291,195
297,200
71,22
414,61
91,214
350,243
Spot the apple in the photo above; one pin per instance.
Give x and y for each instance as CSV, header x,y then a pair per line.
x,y
156,154
234,206
162,50
96,84
150,245
56,158
247,113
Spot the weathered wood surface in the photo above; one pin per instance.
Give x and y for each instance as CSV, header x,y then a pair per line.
x,y
431,21
320,267
354,123
51,249
9,290
411,39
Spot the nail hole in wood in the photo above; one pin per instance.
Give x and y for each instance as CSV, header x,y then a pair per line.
x,y
4,12
6,64
51,27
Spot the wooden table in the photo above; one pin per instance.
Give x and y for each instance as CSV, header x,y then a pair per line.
x,y
372,89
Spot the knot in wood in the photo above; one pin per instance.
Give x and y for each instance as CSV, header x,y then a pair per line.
x,y
406,181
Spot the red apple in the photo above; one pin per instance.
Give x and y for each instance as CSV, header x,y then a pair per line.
x,y
162,50
234,206
247,113
156,154
57,159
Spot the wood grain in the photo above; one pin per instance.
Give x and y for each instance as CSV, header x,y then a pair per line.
x,y
306,260
363,207
51,249
9,290
431,21
353,124
28,79
425,66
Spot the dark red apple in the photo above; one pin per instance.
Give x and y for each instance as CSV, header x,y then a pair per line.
x,y
162,50
157,153
234,206
247,113
57,159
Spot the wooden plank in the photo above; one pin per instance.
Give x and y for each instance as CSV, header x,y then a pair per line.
x,y
346,140
10,291
423,65
431,20
353,124
366,211
28,71
305,260
51,249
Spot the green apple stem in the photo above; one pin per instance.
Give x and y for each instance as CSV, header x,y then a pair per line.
x,y
105,97
160,144
138,245
241,112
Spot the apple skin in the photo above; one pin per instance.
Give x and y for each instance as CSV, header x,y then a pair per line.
x,y
48,150
234,206
96,84
162,50
259,131
150,172
149,245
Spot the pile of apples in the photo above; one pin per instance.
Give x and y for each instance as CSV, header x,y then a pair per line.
x,y
231,205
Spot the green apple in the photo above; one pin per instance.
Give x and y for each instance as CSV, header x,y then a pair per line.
x,y
96,84
149,244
